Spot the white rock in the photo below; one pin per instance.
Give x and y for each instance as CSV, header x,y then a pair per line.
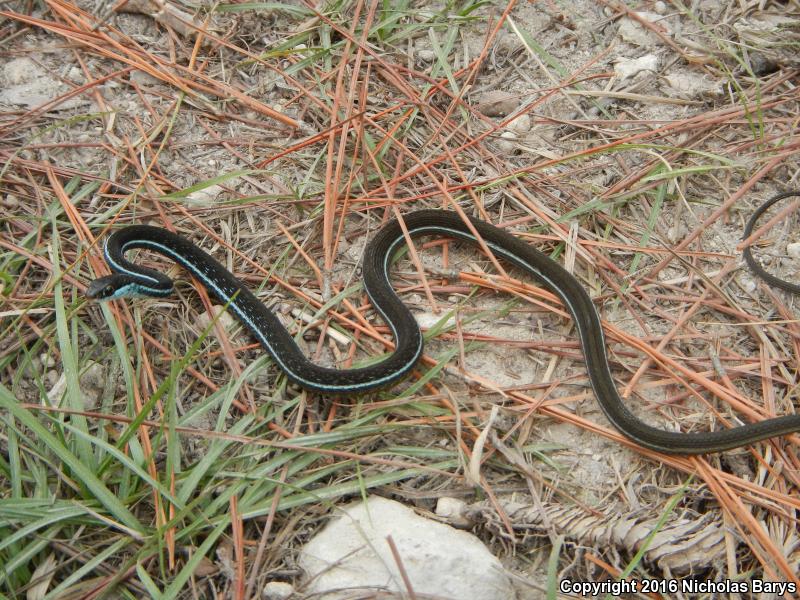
x,y
205,196
660,7
75,74
625,68
691,85
277,590
226,319
91,384
352,553
793,249
57,384
426,320
37,92
28,84
521,125
22,70
94,377
48,362
11,201
507,142
748,284
633,32
426,56
452,509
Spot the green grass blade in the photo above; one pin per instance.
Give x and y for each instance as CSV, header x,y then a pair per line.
x,y
83,473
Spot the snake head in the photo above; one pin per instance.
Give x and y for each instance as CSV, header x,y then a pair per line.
x,y
109,287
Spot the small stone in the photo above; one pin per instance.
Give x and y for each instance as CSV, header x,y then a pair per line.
x,y
497,103
428,320
676,232
205,196
507,142
748,284
142,78
225,319
277,590
660,7
426,56
53,378
793,250
521,125
762,64
22,70
625,68
453,509
510,43
47,361
10,201
633,32
75,74
690,85
94,378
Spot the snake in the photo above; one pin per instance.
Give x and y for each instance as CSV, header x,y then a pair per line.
x,y
131,280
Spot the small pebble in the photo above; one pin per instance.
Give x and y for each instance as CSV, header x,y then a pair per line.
x,y
507,141
226,319
660,7
521,125
793,249
277,590
92,382
625,68
47,361
10,201
676,232
94,377
426,56
22,70
497,103
453,509
142,78
748,284
205,196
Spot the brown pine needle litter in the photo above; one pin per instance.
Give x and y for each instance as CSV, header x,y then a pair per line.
x,y
149,447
